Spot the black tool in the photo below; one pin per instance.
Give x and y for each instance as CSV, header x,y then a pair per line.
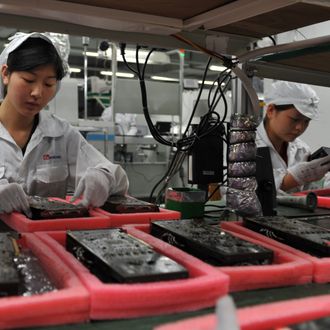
x,y
319,153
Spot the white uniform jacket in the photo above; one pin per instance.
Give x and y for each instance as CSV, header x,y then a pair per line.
x,y
56,158
298,151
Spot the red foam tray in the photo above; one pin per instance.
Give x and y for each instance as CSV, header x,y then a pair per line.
x,y
98,219
23,224
117,219
323,197
287,268
321,266
263,317
70,303
114,300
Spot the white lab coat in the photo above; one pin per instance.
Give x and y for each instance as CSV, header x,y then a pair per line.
x,y
298,151
56,158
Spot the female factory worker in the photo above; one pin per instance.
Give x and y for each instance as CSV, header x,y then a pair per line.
x,y
41,154
290,107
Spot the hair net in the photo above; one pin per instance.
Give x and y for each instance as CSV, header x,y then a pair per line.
x,y
15,41
302,96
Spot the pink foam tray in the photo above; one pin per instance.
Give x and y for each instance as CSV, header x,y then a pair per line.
x,y
23,224
287,268
98,219
263,317
321,266
70,303
117,300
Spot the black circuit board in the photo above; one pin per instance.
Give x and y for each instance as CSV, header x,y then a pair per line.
x,y
319,324
320,221
297,233
45,208
9,275
128,204
210,243
115,256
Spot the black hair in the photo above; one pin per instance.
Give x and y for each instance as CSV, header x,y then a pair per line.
x,y
283,107
35,52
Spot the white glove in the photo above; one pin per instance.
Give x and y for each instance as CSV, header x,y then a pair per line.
x,y
314,170
93,187
13,198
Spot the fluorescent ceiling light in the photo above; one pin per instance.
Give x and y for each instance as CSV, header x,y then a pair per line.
x,y
217,68
118,74
163,78
92,54
156,57
210,82
75,70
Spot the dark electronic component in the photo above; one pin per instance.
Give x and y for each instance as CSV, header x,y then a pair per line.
x,y
266,190
320,221
299,234
205,158
115,256
9,276
163,127
318,324
319,153
128,204
210,243
45,208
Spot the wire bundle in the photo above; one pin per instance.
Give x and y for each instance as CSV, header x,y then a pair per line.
x,y
209,122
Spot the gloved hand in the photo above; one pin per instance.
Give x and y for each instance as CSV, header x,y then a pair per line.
x,y
314,170
13,198
93,187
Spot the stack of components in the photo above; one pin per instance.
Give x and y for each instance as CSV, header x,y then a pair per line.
x,y
242,184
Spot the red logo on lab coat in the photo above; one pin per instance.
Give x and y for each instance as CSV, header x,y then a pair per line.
x,y
45,157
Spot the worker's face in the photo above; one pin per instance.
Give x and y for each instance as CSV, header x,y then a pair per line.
x,y
286,125
30,91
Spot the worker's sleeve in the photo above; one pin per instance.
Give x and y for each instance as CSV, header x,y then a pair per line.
x,y
83,155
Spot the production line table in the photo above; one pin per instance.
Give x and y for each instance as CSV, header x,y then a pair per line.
x,y
241,299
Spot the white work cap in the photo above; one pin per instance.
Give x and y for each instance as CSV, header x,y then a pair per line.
x,y
302,96
15,41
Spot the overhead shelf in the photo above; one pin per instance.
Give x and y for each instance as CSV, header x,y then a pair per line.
x,y
224,26
306,61
220,25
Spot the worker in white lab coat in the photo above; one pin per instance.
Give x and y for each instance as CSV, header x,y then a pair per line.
x,y
41,154
290,107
